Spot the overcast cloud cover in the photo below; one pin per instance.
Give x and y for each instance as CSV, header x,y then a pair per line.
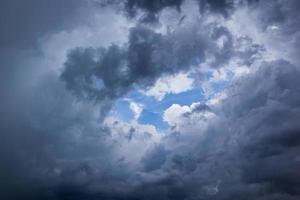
x,y
150,100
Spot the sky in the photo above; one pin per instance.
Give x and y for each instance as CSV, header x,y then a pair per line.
x,y
149,100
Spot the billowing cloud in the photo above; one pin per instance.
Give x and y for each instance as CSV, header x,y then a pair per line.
x,y
59,139
105,74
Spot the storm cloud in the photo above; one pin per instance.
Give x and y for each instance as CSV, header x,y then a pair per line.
x,y
61,131
35,19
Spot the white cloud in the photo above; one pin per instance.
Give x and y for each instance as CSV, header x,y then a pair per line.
x,y
186,119
216,98
241,71
130,136
220,76
136,109
173,84
174,114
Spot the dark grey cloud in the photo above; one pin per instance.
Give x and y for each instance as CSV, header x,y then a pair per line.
x,y
23,22
155,158
26,155
149,11
40,133
270,138
151,8
54,146
223,7
218,6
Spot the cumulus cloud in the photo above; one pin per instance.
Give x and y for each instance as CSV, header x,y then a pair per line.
x,y
170,85
189,120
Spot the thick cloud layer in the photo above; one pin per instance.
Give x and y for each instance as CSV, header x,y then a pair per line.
x,y
60,140
22,22
270,132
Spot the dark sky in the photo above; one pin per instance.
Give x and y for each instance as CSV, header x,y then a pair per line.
x,y
149,100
